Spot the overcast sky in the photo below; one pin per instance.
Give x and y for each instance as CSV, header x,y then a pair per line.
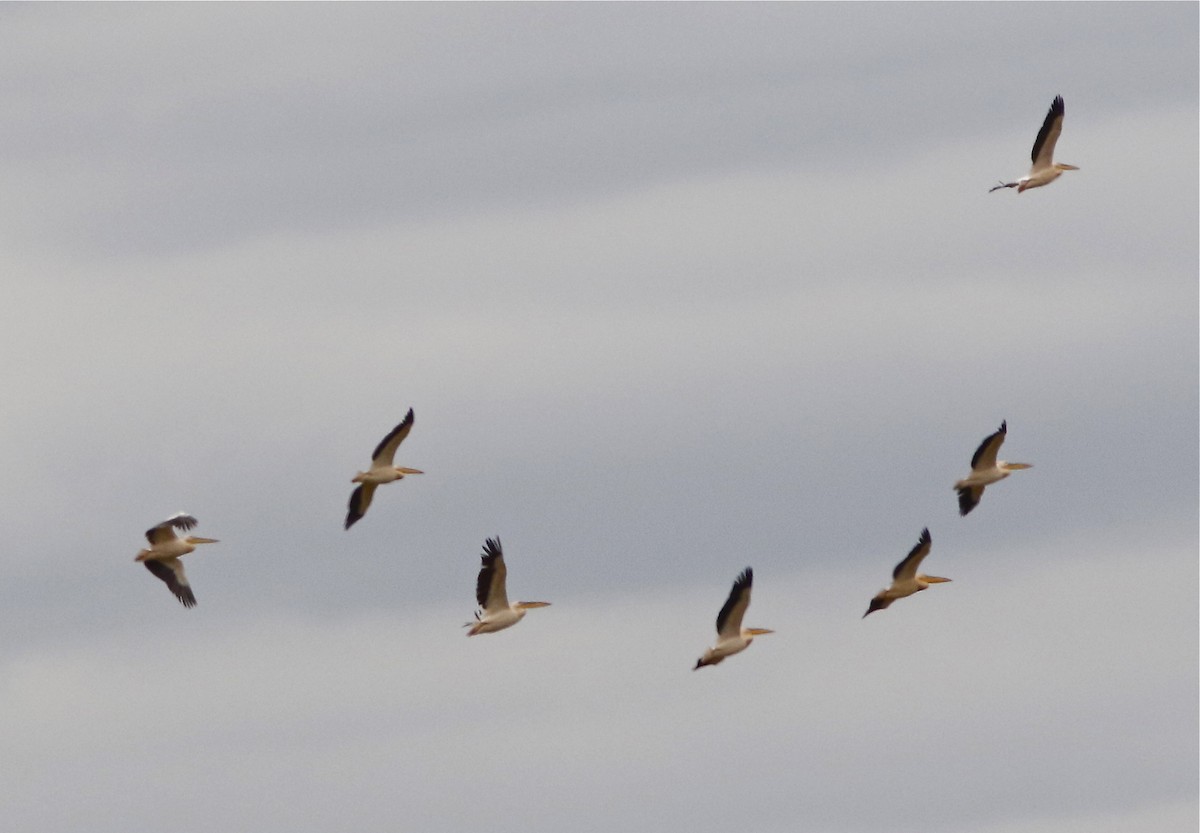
x,y
673,290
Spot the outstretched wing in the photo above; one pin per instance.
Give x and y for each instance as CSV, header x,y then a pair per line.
x,y
170,570
490,590
729,620
385,452
968,498
985,455
165,531
906,570
1047,138
360,500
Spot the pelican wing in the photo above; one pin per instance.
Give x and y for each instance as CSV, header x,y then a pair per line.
x,y
490,589
729,620
968,498
170,570
360,500
906,570
165,531
1047,138
385,452
985,455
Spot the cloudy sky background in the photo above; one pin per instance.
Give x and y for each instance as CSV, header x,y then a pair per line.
x,y
673,290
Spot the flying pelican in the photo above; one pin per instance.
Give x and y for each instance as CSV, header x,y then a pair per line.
x,y
905,578
166,548
382,470
1045,170
495,613
985,470
732,638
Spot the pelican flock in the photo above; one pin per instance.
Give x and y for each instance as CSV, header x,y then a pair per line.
x,y
166,548
732,638
905,578
382,470
985,470
495,613
1045,170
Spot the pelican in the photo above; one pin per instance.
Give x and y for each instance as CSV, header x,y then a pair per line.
x,y
1045,170
905,578
732,638
495,613
382,470
985,470
166,548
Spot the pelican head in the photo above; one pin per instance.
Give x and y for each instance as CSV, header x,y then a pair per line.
x,y
529,605
880,602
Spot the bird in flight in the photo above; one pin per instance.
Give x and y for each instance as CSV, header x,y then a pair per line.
x,y
495,613
905,578
166,548
985,470
382,470
732,638
1045,170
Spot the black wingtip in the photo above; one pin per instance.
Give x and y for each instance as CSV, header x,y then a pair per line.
x,y
352,514
965,504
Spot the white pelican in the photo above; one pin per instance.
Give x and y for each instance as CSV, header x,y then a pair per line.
x,y
382,470
985,470
162,558
905,578
1045,170
495,613
732,638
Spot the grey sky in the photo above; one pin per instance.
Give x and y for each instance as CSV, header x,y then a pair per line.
x,y
673,290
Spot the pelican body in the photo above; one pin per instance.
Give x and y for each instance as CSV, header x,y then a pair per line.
x,y
1045,170
905,578
382,470
166,548
732,638
985,470
495,613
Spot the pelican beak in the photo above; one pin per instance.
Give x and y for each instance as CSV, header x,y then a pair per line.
x,y
759,631
528,605
204,541
1067,167
403,470
935,579
1018,466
